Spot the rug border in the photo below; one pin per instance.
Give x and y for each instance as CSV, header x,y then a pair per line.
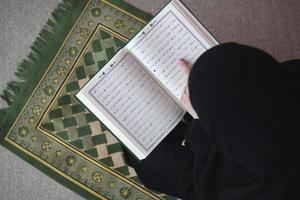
x,y
51,173
17,106
10,114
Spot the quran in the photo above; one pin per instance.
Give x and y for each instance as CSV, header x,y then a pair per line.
x,y
137,93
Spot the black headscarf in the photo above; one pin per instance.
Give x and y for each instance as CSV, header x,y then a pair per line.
x,y
247,105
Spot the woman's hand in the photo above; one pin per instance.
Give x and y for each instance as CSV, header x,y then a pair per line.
x,y
185,98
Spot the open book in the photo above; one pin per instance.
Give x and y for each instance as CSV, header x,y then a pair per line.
x,y
137,93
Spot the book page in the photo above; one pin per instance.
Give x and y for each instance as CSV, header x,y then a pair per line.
x,y
134,102
167,38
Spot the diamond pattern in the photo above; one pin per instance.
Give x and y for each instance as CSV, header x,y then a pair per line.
x,y
70,121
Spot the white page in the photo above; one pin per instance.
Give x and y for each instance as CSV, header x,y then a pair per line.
x,y
167,38
127,95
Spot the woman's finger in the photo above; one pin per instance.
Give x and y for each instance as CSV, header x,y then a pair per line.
x,y
185,65
184,90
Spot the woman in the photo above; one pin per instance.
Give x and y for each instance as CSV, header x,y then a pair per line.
x,y
244,143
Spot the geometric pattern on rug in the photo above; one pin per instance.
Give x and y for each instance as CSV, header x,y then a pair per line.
x,y
68,118
55,130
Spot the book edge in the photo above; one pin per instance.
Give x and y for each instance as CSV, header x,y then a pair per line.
x,y
111,126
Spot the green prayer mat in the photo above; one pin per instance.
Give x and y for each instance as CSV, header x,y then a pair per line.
x,y
47,126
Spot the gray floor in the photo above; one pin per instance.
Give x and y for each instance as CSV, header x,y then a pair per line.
x,y
273,25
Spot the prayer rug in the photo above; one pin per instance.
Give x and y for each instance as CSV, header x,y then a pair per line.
x,y
47,126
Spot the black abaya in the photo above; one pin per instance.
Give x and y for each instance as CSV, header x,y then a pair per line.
x,y
244,146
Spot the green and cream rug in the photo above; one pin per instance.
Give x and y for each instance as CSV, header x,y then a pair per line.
x,y
47,126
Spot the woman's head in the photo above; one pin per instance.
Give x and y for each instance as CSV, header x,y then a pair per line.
x,y
232,76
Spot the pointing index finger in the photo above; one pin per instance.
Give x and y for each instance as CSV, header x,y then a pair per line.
x,y
184,65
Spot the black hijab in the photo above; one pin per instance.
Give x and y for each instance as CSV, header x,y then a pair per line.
x,y
248,105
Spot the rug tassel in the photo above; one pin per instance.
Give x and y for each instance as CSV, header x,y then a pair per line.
x,y
3,112
2,115
39,50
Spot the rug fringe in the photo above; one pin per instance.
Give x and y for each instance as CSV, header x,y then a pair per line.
x,y
39,52
2,114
